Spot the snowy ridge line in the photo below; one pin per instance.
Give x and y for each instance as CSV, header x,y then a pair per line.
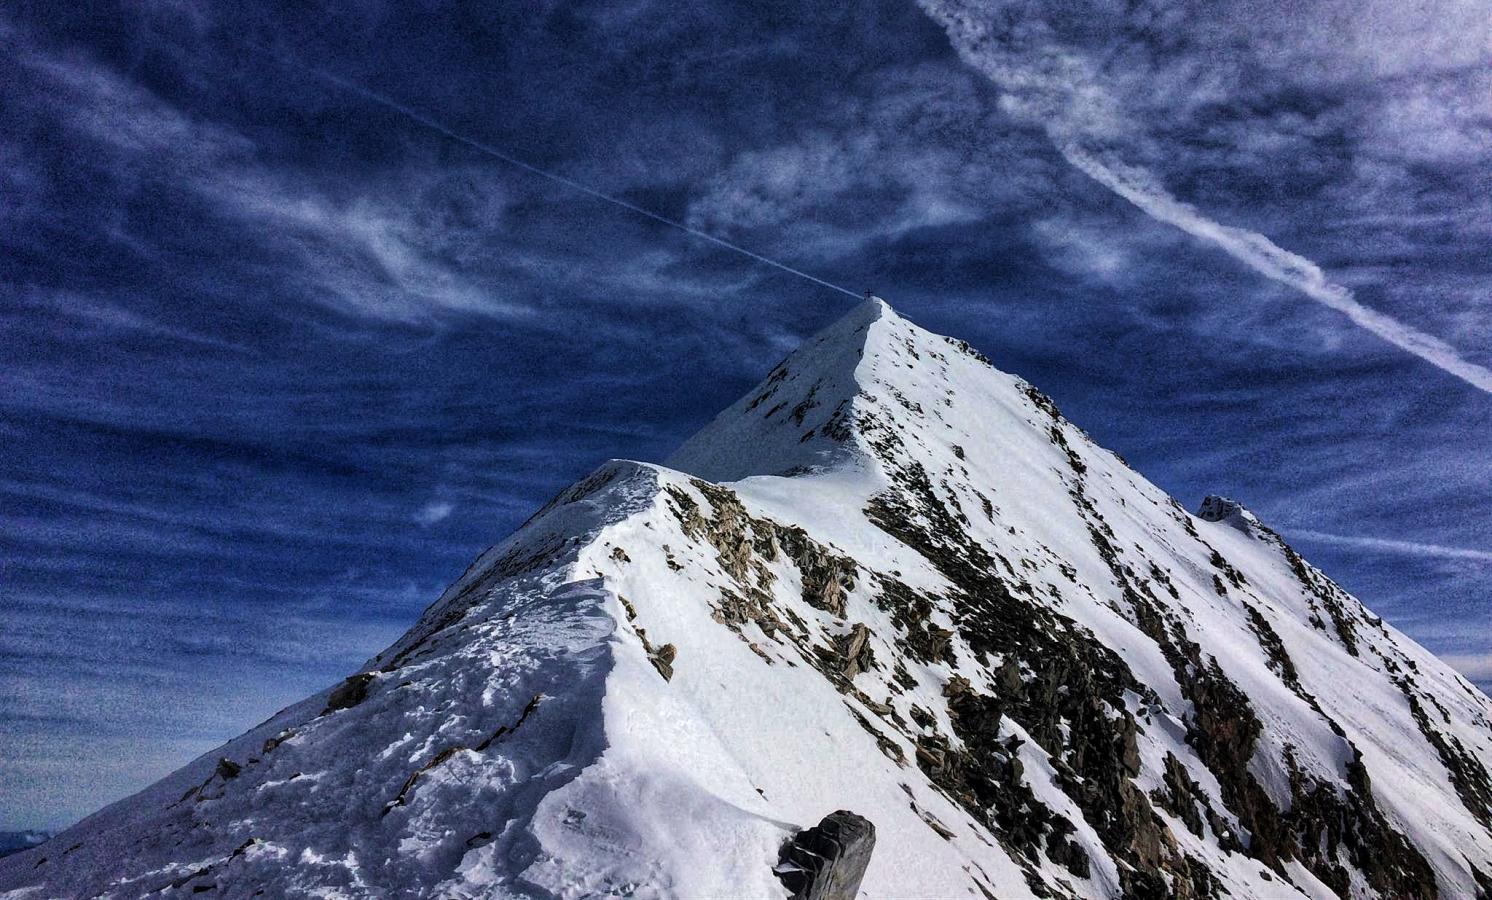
x,y
891,579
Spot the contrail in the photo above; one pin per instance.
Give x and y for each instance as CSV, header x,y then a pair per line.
x,y
415,115
1274,262
1043,84
1411,548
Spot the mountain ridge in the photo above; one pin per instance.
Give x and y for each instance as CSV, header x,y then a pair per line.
x,y
890,579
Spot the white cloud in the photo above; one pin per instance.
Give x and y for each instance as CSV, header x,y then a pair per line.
x,y
1441,120
434,511
109,315
399,251
1475,666
1337,40
1274,262
1085,100
1083,249
770,186
914,150
1387,545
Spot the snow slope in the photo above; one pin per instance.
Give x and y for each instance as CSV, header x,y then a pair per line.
x,y
890,579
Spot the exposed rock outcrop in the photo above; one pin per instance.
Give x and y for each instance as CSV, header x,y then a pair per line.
x,y
349,693
827,861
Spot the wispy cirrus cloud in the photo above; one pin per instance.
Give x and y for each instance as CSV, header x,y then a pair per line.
x,y
1097,97
884,163
1476,667
436,233
1393,546
401,250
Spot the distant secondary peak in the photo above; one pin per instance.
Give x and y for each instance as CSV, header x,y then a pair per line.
x,y
1231,512
1216,509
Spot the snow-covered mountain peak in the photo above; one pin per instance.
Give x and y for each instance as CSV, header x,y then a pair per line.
x,y
867,381
1218,509
801,416
891,580
1223,509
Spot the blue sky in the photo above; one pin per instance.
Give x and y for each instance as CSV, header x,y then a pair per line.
x,y
277,360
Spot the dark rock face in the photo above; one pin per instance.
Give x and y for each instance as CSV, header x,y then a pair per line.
x,y
662,657
744,545
827,861
1067,691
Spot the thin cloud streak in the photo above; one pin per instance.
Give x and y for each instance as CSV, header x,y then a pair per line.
x,y
1387,545
1475,666
1075,102
1272,261
415,115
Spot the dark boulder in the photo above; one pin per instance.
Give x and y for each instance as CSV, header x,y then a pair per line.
x,y
349,693
662,660
827,861
855,648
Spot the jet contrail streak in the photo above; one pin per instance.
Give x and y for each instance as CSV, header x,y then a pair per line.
x,y
1043,83
485,148
1274,262
1411,548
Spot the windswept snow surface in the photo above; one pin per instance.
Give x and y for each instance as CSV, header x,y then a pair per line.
x,y
890,579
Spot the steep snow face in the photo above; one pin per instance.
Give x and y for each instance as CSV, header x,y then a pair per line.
x,y
890,579
801,418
